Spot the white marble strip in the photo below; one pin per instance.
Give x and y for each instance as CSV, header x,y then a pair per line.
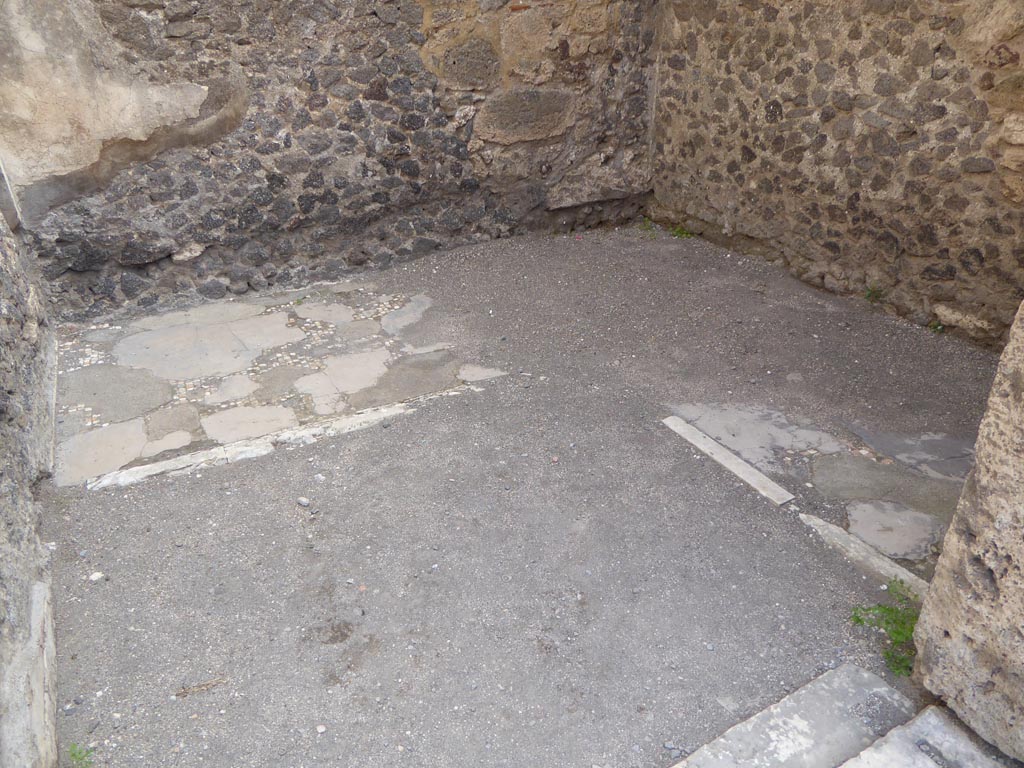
x,y
248,449
744,471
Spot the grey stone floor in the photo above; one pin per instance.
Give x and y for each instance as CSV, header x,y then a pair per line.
x,y
528,570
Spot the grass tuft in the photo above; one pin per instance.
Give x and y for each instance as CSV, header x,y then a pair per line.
x,y
649,228
80,757
681,233
897,621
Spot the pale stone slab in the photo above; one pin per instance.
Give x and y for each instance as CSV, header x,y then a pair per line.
x,y
246,422
351,373
117,392
177,418
357,329
471,373
279,381
893,529
265,331
321,390
335,314
752,477
184,352
232,388
71,423
99,451
170,442
409,378
411,313
207,314
343,375
755,433
931,739
829,720
864,555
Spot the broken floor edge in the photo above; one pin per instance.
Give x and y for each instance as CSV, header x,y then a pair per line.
x,y
864,554
852,546
249,449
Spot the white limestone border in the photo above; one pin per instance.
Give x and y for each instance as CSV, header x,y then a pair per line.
x,y
756,479
858,551
864,554
249,449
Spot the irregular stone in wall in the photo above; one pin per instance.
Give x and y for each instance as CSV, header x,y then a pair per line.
x,y
526,114
969,638
600,177
472,64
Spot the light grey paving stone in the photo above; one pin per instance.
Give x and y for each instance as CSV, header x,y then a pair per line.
x,y
828,721
411,313
757,434
864,554
930,740
894,529
113,392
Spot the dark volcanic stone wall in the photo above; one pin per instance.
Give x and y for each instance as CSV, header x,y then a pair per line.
x,y
26,635
375,130
873,145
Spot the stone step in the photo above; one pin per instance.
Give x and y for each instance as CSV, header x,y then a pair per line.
x,y
933,739
830,720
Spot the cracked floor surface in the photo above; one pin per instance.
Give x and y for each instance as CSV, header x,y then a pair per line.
x,y
532,571
140,390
